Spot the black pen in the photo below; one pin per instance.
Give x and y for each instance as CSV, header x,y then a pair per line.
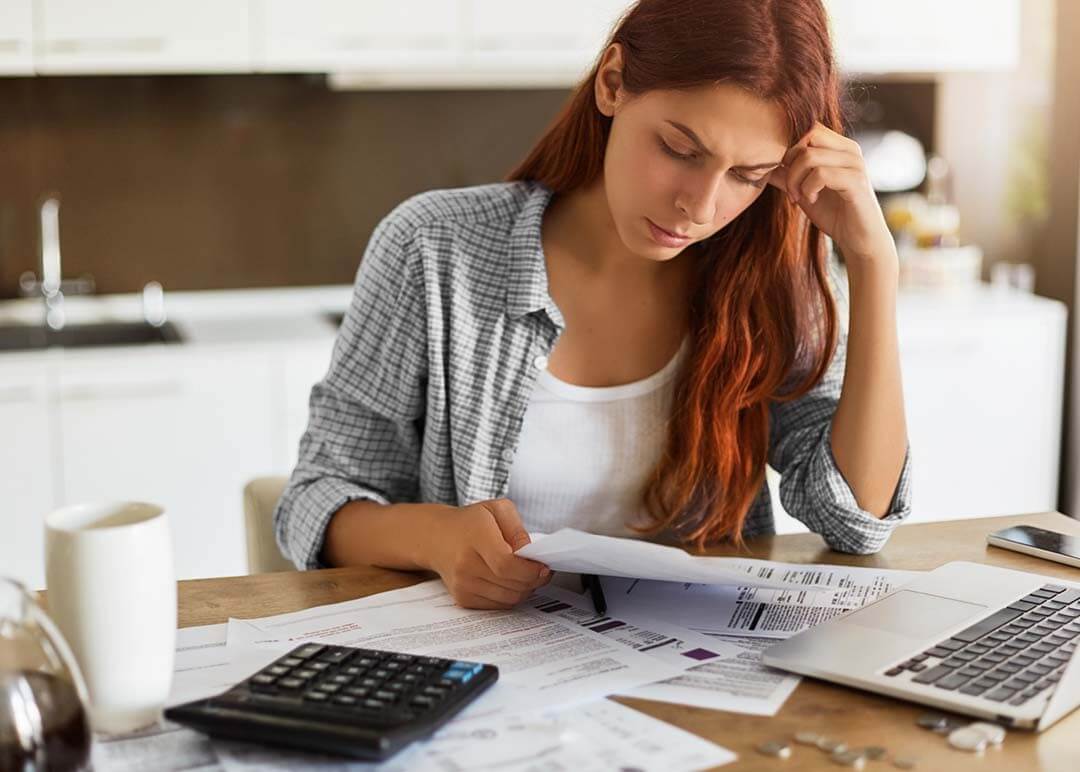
x,y
592,582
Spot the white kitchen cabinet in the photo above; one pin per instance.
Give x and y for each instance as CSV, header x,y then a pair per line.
x,y
561,36
27,485
983,379
186,431
16,37
984,407
365,35
134,36
441,43
925,35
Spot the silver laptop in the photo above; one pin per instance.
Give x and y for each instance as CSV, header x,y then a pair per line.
x,y
984,641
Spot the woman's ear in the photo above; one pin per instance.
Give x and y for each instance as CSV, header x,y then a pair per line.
x,y
608,83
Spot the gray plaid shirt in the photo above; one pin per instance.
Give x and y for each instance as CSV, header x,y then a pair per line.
x,y
435,362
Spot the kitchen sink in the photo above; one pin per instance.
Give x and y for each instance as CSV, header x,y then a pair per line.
x,y
21,337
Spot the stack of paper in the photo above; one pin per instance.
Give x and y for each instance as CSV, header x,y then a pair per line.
x,y
690,631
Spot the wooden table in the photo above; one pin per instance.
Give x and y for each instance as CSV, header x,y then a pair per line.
x,y
857,718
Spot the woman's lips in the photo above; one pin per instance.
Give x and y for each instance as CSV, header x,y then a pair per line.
x,y
664,237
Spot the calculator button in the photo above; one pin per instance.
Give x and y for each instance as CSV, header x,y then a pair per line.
x,y
393,666
353,670
329,688
374,704
434,661
314,696
319,665
357,691
291,683
409,678
305,673
461,676
398,687
383,694
422,701
344,699
341,679
335,656
407,659
262,679
308,651
277,670
290,661
434,691
380,673
366,661
445,683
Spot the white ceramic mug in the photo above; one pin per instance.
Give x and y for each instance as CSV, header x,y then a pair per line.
x,y
112,592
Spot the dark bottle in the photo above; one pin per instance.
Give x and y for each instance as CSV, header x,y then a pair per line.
x,y
43,722
60,741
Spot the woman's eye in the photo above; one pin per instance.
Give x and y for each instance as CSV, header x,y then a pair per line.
x,y
760,183
674,153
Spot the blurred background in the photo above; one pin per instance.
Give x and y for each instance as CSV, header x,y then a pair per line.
x,y
186,189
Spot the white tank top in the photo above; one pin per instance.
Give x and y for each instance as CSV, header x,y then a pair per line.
x,y
586,452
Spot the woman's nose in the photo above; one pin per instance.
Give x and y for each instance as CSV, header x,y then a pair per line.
x,y
700,202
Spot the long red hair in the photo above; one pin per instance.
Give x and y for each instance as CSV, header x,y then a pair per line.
x,y
763,321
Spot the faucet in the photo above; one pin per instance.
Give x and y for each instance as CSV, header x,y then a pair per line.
x,y
52,285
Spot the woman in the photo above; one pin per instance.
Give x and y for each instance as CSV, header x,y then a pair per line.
x,y
623,334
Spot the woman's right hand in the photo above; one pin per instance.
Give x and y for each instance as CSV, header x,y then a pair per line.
x,y
473,551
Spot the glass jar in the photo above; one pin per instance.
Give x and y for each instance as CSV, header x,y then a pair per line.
x,y
43,719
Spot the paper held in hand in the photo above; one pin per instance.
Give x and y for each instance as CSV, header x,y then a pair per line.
x,y
578,552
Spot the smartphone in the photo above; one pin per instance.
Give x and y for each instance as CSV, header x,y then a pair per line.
x,y
1049,545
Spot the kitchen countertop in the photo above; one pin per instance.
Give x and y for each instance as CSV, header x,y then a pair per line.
x,y
284,315
203,318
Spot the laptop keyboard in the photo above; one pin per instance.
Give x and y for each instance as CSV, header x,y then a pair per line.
x,y
1011,656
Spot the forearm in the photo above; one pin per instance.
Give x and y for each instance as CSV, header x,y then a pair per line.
x,y
869,430
401,536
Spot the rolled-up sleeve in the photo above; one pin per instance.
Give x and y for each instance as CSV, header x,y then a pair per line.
x,y
365,419
812,488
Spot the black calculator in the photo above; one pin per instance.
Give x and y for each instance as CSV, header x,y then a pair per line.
x,y
362,703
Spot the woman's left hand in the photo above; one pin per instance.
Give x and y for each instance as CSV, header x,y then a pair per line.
x,y
825,175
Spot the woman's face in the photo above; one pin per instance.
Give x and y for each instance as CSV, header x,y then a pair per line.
x,y
688,162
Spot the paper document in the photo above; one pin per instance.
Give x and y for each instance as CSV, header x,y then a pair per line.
x,y
729,675
166,747
738,683
579,552
753,611
203,667
544,661
595,737
675,645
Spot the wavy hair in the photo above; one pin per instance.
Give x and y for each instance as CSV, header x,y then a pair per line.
x,y
763,320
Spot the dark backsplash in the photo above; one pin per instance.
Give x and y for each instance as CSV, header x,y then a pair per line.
x,y
235,181
223,181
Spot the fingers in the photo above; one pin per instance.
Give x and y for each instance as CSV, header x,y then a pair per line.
x,y
498,552
802,162
496,593
509,522
507,567
479,593
821,135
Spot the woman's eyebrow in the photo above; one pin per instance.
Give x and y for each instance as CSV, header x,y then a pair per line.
x,y
701,146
